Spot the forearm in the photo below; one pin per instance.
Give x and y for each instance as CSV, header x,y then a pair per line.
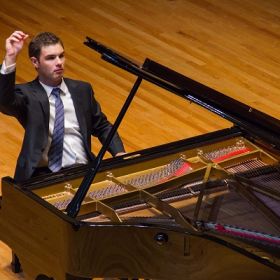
x,y
7,85
7,93
102,127
116,146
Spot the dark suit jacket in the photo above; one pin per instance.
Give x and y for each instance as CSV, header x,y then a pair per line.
x,y
30,105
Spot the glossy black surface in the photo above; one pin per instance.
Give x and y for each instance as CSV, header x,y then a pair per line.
x,y
251,120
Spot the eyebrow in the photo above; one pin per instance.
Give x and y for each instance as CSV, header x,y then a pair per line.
x,y
54,55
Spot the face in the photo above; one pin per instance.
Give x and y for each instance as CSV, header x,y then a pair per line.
x,y
50,65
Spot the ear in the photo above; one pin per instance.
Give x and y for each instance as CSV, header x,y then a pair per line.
x,y
35,62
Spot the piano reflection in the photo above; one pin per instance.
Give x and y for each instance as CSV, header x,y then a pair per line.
x,y
205,207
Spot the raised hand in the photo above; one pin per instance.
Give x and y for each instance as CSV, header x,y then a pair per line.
x,y
14,45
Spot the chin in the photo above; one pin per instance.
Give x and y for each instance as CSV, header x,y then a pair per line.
x,y
58,77
56,81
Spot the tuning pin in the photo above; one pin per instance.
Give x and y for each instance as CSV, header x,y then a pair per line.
x,y
109,175
240,144
68,188
182,157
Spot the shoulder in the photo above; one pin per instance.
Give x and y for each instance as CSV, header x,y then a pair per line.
x,y
27,87
77,83
26,84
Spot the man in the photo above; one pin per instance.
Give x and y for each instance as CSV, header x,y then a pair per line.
x,y
59,115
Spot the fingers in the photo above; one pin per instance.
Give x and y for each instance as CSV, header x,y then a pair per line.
x,y
17,36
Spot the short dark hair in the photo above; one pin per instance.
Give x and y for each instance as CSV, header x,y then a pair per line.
x,y
41,40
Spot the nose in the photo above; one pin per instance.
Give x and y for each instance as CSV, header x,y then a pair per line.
x,y
59,60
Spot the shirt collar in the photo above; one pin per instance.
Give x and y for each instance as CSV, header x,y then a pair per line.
x,y
49,89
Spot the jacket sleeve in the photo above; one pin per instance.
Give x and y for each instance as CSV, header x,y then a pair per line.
x,y
101,128
12,100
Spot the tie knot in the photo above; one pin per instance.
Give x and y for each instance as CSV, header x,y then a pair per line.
x,y
55,92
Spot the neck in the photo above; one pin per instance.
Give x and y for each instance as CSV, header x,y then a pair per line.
x,y
50,83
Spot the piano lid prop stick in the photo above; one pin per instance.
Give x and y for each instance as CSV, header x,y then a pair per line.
x,y
74,206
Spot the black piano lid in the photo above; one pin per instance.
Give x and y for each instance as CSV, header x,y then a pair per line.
x,y
247,118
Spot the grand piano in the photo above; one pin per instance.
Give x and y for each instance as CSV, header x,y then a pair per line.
x,y
206,207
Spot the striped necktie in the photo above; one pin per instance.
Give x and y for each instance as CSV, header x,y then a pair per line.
x,y
56,148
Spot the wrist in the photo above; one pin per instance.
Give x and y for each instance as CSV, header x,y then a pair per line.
x,y
10,59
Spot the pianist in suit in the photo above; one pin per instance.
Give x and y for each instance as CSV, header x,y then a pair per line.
x,y
59,114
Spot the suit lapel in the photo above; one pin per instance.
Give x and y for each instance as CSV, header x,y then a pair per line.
x,y
40,94
74,90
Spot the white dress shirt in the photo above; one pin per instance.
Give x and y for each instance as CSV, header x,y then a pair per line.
x,y
73,147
